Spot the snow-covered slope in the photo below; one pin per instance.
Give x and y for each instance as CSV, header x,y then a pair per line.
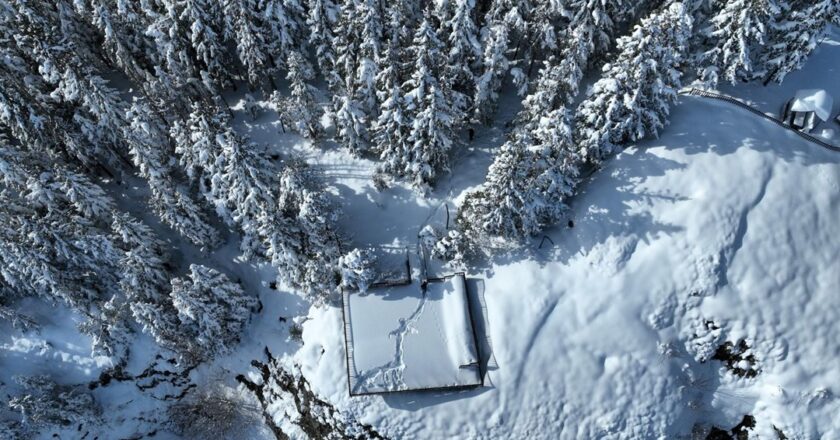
x,y
720,239
724,229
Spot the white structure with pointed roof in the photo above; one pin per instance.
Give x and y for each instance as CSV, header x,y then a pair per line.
x,y
806,107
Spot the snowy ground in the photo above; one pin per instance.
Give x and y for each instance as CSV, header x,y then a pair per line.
x,y
725,218
724,229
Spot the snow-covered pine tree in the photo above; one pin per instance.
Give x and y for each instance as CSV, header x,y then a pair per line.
x,y
547,94
160,320
357,43
321,22
108,326
400,19
517,18
350,120
242,189
559,160
283,106
300,236
451,247
347,42
149,147
795,35
53,255
246,29
597,20
203,18
370,51
87,100
572,63
55,235
141,271
358,270
101,109
304,114
206,145
144,286
632,99
429,104
738,33
547,19
494,66
196,146
49,186
45,403
27,269
513,35
526,186
463,52
122,28
171,38
227,171
590,33
503,210
74,29
144,276
211,308
284,218
391,129
284,20
188,47
26,116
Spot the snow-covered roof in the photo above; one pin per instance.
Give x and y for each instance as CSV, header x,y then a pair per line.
x,y
813,100
400,338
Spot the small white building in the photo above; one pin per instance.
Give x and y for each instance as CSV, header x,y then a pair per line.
x,y
417,336
807,109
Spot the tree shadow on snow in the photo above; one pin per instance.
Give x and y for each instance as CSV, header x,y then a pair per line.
x,y
384,213
416,400
726,128
604,208
481,326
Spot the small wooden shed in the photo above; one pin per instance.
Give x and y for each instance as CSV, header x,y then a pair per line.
x,y
807,109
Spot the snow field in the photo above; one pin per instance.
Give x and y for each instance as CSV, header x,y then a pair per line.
x,y
724,218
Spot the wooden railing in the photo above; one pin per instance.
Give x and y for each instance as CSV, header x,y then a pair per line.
x,y
745,106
